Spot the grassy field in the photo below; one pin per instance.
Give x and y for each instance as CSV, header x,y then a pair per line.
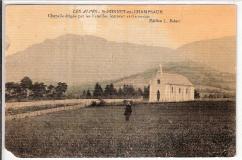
x,y
205,128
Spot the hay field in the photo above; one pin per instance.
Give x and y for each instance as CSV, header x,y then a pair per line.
x,y
199,128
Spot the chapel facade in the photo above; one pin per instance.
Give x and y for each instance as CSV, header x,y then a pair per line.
x,y
166,87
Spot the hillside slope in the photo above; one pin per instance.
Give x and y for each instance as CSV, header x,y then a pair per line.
x,y
80,59
220,54
204,78
198,74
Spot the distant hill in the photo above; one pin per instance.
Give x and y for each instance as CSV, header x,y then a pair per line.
x,y
197,73
79,59
220,54
204,78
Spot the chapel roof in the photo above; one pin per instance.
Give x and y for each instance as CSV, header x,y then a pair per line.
x,y
176,79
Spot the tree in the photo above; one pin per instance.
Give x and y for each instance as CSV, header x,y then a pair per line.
x,y
13,90
39,90
88,95
60,89
110,91
26,85
98,91
129,90
120,92
9,89
113,90
107,90
139,92
50,93
84,94
26,82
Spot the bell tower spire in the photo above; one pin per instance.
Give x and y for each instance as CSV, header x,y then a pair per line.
x,y
160,69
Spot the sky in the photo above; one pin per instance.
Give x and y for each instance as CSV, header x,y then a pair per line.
x,y
29,24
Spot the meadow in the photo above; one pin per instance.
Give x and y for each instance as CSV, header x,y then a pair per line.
x,y
185,129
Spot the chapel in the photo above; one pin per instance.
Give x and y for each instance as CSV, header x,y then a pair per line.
x,y
166,87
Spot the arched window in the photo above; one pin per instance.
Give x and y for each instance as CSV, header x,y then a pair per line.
x,y
171,89
158,81
186,90
179,90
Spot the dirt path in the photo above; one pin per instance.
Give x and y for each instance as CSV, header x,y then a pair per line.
x,y
46,111
69,105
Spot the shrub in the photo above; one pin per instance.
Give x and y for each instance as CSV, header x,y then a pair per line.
x,y
102,102
94,103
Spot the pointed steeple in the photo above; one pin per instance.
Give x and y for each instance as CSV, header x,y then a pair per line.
x,y
161,71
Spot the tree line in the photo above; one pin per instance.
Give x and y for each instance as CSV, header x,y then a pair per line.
x,y
109,91
26,89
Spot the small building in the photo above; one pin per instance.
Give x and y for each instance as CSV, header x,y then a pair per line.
x,y
165,87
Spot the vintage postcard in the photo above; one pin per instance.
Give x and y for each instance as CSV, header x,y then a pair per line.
x,y
120,80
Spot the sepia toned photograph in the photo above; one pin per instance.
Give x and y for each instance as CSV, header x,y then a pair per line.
x,y
120,80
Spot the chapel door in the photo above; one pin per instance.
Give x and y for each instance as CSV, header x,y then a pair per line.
x,y
158,95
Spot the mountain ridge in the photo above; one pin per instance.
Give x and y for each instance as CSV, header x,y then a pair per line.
x,y
66,53
218,53
78,60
